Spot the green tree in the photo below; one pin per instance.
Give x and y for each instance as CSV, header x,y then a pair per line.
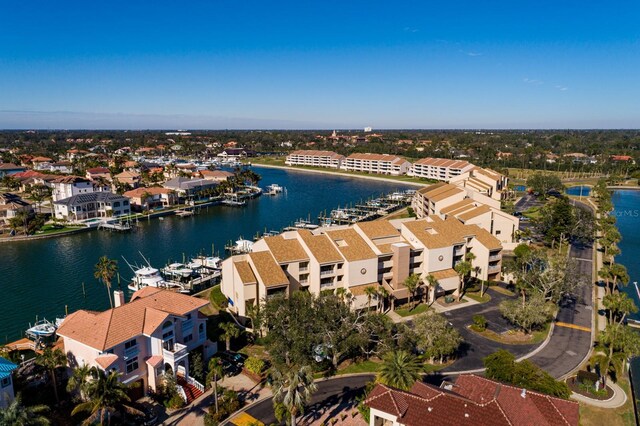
x,y
79,381
435,336
106,397
293,388
542,183
104,271
617,343
51,359
532,314
399,369
619,306
370,292
412,283
463,269
230,331
216,372
432,284
17,414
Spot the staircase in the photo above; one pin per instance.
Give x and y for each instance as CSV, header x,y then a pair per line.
x,y
191,391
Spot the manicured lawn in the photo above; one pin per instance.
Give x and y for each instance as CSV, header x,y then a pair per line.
x,y
405,312
216,297
622,416
367,366
502,290
532,213
208,310
514,338
50,229
476,296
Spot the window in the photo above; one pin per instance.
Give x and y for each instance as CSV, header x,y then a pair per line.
x,y
167,324
132,365
116,204
167,335
188,338
5,382
201,328
130,344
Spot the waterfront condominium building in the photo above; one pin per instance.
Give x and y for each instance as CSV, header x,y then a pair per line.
x,y
484,181
439,168
150,336
368,254
91,205
468,206
383,164
68,186
328,159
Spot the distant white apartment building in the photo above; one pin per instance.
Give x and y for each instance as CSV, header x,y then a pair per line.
x,y
384,164
439,168
328,159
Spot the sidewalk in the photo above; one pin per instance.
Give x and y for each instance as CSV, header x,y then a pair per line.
x,y
436,307
618,399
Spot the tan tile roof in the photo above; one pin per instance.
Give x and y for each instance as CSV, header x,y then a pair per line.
x,y
378,229
439,233
467,202
286,250
154,190
358,290
375,157
352,246
316,153
480,210
486,239
442,192
430,188
104,330
443,162
268,270
246,274
321,247
445,273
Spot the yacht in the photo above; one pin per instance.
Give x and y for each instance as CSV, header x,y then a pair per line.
x,y
178,270
40,329
274,189
146,276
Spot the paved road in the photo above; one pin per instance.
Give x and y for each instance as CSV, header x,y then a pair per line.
x,y
475,347
331,394
568,346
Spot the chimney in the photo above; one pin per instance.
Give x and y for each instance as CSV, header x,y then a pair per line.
x,y
523,393
118,298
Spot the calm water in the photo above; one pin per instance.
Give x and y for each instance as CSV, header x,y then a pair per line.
x,y
579,190
627,211
41,277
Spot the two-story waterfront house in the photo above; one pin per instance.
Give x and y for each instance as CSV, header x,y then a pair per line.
x,y
143,339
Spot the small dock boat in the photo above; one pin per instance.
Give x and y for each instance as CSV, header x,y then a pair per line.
x,y
41,329
274,189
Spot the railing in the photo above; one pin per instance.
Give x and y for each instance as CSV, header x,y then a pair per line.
x,y
178,351
494,257
495,268
196,384
303,269
131,352
187,324
327,272
182,393
303,282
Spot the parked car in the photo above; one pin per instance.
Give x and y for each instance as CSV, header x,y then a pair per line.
x,y
234,357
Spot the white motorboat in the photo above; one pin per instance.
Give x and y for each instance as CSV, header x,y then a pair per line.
x,y
146,276
205,262
243,246
274,189
40,329
178,270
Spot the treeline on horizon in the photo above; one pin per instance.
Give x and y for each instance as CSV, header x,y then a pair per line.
x,y
500,149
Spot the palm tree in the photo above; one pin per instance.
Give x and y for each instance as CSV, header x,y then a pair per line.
x,y
230,332
52,359
79,381
216,372
106,395
400,370
371,292
463,269
293,389
105,270
620,276
432,284
619,306
412,283
17,414
383,295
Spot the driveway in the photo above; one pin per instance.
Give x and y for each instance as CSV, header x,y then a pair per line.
x,y
475,347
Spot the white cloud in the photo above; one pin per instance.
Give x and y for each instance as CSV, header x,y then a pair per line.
x,y
533,81
561,88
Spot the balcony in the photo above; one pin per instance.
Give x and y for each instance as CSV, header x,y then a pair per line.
x,y
187,325
131,352
494,268
175,352
303,269
495,257
327,272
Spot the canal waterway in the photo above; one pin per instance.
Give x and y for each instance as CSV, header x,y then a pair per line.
x,y
43,277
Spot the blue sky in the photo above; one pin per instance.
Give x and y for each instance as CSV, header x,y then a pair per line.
x,y
326,64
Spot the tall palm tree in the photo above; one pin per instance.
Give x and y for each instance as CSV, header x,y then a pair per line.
x,y
216,372
463,269
52,359
400,370
106,396
293,388
370,292
17,414
230,331
412,282
79,381
383,295
104,271
432,284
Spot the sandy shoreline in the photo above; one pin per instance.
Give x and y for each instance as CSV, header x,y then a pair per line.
x,y
329,172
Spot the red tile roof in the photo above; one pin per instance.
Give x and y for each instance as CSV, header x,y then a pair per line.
x,y
473,400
